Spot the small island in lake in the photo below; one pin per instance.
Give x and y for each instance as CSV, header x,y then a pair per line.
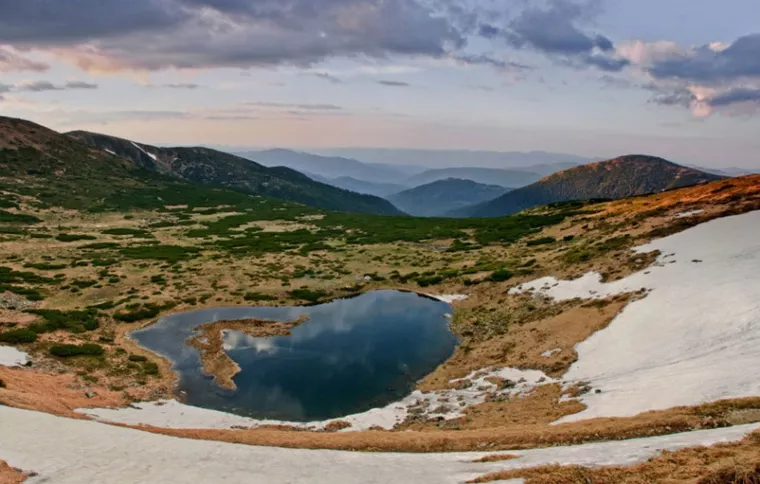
x,y
209,341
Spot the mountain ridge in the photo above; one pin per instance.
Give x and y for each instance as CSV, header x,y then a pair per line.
x,y
439,197
216,168
620,177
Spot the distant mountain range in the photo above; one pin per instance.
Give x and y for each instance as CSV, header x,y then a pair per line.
x,y
612,179
211,167
329,168
485,176
442,196
456,158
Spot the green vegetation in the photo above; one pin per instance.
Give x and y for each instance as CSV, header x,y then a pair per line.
x,y
18,218
258,296
541,241
72,321
168,253
74,237
68,351
310,295
500,276
137,312
18,336
135,233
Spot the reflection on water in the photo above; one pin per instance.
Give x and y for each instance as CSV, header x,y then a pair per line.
x,y
350,356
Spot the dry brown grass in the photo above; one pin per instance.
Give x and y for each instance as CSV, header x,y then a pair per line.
x,y
9,475
58,394
496,458
734,463
512,437
531,326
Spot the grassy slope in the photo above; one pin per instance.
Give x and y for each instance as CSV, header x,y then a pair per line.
x,y
211,167
613,179
437,198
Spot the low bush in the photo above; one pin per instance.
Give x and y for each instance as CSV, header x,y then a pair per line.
x,y
137,358
68,351
500,276
308,294
258,296
73,321
18,336
541,241
74,237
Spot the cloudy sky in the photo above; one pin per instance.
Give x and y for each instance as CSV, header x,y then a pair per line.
x,y
675,78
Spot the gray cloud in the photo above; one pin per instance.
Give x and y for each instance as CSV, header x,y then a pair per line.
x,y
41,86
10,61
393,83
158,34
161,34
675,97
615,82
482,59
708,66
80,85
554,30
735,96
328,77
304,106
181,85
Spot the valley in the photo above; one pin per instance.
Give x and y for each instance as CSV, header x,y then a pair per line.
x,y
89,269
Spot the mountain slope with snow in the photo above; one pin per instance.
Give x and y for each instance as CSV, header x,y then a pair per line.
x,y
690,340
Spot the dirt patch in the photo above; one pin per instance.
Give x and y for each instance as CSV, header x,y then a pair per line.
x,y
209,342
735,463
10,475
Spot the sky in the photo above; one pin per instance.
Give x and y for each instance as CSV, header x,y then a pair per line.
x,y
600,78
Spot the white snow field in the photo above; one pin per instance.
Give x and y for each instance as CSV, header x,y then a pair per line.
x,y
447,404
73,451
694,338
10,356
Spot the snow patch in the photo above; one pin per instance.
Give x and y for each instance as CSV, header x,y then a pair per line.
x,y
10,356
154,157
690,213
474,389
71,451
686,342
449,298
110,152
550,353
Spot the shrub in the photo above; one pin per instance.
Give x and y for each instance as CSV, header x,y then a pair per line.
x,y
68,351
258,296
150,368
73,321
500,276
138,358
137,233
307,294
18,336
541,241
73,237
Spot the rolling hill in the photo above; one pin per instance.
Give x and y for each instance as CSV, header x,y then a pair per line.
x,y
366,187
455,158
621,177
211,167
329,167
437,198
485,176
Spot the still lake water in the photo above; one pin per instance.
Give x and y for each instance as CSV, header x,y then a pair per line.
x,y
350,356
